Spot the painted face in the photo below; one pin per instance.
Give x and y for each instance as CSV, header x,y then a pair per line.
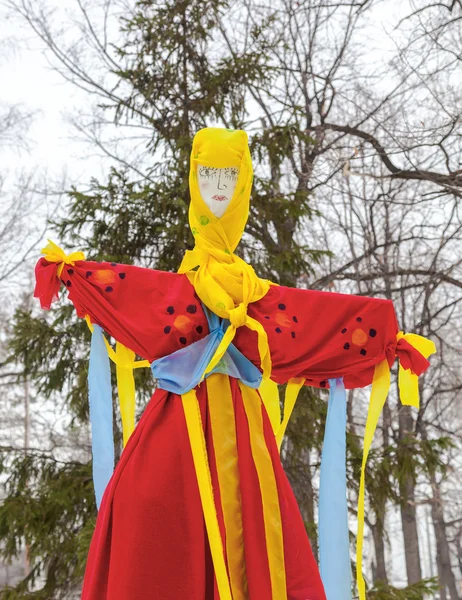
x,y
217,187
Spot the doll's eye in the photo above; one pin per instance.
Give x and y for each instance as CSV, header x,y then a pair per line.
x,y
207,172
231,173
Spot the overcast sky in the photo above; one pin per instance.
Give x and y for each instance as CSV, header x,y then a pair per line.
x,y
26,78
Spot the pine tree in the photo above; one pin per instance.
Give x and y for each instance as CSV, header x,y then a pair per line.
x,y
177,83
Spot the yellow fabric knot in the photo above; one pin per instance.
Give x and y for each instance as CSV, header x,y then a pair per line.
x,y
238,315
54,254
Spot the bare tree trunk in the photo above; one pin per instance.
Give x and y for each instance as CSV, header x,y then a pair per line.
x,y
447,581
408,509
303,490
443,560
380,569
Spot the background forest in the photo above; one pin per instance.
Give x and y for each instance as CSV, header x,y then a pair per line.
x,y
354,114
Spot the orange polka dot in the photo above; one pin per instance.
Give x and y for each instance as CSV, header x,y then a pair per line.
x,y
104,276
183,323
282,319
359,337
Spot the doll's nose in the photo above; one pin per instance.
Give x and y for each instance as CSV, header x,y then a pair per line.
x,y
221,184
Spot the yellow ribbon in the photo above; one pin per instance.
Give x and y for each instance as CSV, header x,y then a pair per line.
x,y
201,465
379,393
223,427
269,393
126,388
269,492
409,396
125,362
407,380
292,390
54,254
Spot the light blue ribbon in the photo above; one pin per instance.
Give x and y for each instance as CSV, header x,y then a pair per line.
x,y
334,547
182,370
100,397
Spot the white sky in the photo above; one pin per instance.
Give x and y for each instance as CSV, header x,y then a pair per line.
x,y
26,78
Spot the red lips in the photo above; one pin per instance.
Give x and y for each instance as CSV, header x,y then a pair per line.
x,y
219,198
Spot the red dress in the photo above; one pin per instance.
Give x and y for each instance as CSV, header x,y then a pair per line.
x,y
150,541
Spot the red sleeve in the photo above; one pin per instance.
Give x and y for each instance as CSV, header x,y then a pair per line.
x,y
153,313
321,335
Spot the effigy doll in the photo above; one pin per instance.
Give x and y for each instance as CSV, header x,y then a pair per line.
x,y
199,507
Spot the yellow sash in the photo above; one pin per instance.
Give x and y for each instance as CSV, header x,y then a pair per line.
x,y
409,396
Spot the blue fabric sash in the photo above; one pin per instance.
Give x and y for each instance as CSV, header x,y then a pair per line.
x,y
100,398
178,372
334,548
182,370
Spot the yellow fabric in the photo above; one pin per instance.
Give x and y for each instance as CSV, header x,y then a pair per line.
x,y
409,396
379,393
223,427
292,390
126,388
137,364
407,380
269,492
125,362
54,254
269,393
224,282
199,452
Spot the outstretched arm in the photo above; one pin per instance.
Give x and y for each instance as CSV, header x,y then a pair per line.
x,y
153,313
325,335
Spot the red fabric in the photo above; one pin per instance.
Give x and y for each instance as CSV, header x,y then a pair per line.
x,y
150,541
47,283
311,334
410,358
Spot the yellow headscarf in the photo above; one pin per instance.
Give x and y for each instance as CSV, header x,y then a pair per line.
x,y
224,282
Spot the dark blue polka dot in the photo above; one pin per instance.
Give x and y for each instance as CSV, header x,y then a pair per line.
x,y
199,329
109,288
88,273
167,329
266,317
278,330
113,264
122,275
292,334
281,306
191,309
183,340
70,271
68,283
294,319
170,310
363,352
346,346
372,332
344,330
359,319
323,383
